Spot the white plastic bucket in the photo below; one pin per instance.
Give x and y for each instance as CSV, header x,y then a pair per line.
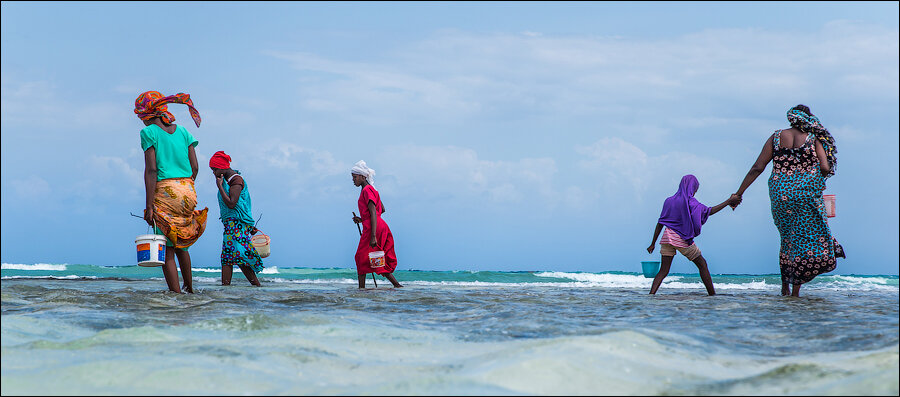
x,y
151,250
829,205
376,259
261,243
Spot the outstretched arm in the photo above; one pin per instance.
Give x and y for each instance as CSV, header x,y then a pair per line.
x,y
733,201
659,227
765,156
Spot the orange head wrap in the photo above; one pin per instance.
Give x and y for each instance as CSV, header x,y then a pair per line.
x,y
153,104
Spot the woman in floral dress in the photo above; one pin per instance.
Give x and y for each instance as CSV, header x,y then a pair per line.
x,y
803,157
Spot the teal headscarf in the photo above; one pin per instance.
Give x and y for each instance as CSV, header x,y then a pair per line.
x,y
810,124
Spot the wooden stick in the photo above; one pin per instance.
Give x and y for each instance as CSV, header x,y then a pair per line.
x,y
360,233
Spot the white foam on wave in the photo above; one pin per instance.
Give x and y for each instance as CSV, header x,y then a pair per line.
x,y
36,266
69,277
496,284
206,279
204,270
268,270
607,280
844,283
859,280
753,285
313,281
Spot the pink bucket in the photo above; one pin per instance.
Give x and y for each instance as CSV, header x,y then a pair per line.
x,y
829,205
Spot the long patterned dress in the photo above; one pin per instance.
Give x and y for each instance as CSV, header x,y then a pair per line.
x,y
795,189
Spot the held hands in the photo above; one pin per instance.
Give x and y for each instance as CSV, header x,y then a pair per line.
x,y
220,179
734,201
357,219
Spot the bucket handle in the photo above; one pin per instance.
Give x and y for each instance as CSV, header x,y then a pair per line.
x,y
148,226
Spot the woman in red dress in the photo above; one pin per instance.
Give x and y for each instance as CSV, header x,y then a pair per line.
x,y
376,235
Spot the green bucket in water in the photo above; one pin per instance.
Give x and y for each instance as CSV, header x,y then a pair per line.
x,y
650,268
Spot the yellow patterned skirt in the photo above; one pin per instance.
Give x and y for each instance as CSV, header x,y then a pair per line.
x,y
175,215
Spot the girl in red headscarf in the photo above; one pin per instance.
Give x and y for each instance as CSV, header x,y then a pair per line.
x,y
238,225
170,168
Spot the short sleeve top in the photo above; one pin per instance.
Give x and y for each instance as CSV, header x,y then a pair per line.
x,y
172,159
369,193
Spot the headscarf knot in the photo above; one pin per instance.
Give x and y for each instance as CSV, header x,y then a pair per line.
x,y
810,124
153,104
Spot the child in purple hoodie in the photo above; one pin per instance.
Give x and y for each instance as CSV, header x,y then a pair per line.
x,y
683,215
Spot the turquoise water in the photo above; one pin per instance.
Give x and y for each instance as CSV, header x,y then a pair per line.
x,y
83,329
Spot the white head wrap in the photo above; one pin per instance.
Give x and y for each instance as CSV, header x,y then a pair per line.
x,y
360,168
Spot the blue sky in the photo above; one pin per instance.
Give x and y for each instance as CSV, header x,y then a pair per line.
x,y
505,136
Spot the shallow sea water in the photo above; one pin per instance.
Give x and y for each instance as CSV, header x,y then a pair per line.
x,y
311,331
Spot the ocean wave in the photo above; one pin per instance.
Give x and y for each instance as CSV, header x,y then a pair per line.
x,y
841,283
753,285
268,270
858,280
498,284
313,281
205,270
36,266
69,277
608,280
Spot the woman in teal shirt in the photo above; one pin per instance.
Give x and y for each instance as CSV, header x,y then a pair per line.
x,y
234,209
170,167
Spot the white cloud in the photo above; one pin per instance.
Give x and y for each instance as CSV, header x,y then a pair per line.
x,y
40,103
451,172
110,178
365,89
303,171
116,168
622,167
33,187
457,75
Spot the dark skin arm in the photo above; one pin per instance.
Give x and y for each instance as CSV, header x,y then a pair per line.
x,y
733,200
150,173
765,156
234,190
373,223
656,232
360,181
192,156
823,158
